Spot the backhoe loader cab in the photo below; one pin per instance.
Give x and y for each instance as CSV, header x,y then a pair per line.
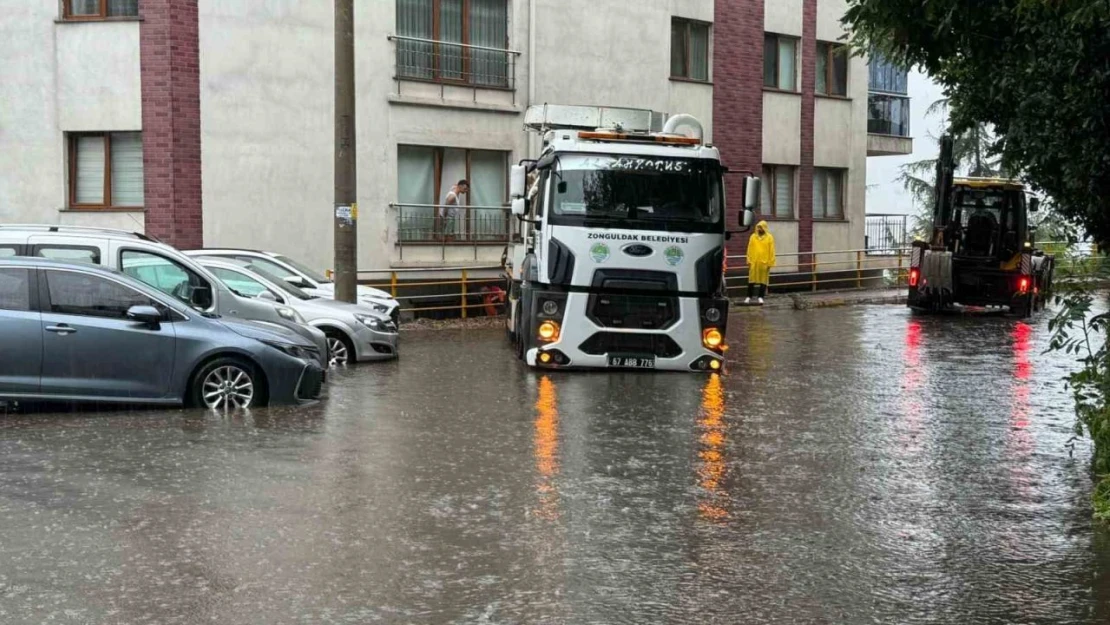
x,y
982,251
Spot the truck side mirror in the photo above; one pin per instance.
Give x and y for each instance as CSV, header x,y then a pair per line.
x,y
519,207
747,218
518,181
752,187
1034,205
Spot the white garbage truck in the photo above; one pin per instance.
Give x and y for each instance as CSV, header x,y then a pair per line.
x,y
617,252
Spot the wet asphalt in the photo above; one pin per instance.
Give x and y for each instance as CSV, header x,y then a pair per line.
x,y
854,466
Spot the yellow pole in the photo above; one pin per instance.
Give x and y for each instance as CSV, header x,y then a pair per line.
x,y
813,269
393,284
464,294
859,269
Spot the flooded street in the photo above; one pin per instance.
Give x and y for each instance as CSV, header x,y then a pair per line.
x,y
855,466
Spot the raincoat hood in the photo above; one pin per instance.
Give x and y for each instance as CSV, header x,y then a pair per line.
x,y
762,226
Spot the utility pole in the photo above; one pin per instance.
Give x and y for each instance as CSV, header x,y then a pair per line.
x,y
346,182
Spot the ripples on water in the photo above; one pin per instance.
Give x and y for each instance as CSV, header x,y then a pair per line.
x,y
858,465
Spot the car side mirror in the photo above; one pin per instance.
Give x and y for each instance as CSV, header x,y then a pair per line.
x,y
201,297
144,314
520,206
268,296
1034,205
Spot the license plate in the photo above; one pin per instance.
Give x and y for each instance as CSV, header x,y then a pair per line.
x,y
631,362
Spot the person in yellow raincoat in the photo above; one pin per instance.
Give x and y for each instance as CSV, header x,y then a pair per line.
x,y
761,257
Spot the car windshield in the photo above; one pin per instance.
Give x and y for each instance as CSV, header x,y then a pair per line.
x,y
305,270
643,193
279,283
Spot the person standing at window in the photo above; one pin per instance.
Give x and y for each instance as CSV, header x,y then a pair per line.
x,y
761,257
449,211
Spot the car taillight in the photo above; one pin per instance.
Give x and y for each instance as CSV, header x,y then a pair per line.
x,y
915,275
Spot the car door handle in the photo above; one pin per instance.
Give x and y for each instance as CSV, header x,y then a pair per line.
x,y
62,329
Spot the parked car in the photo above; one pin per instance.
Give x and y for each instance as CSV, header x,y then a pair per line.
x,y
154,263
74,331
305,278
355,333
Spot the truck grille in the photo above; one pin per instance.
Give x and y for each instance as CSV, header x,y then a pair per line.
x,y
639,312
602,343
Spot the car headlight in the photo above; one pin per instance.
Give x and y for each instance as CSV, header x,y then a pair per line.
x,y
289,349
290,315
370,322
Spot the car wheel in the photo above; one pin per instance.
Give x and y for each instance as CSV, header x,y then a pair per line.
x,y
341,351
226,384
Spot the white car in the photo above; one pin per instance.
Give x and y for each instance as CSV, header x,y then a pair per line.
x,y
305,278
355,333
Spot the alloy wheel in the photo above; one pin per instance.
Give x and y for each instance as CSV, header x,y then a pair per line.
x,y
338,350
228,387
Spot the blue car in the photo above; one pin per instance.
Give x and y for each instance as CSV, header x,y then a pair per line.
x,y
83,333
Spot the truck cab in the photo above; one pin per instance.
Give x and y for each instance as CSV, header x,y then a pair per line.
x,y
619,258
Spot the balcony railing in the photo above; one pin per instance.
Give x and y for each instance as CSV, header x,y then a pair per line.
x,y
422,223
454,63
888,114
884,234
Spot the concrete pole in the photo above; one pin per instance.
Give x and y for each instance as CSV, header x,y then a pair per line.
x,y
346,182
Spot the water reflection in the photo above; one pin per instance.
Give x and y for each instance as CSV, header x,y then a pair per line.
x,y
714,501
1019,442
546,449
912,398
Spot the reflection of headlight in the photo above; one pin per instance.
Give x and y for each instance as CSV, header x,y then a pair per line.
x,y
290,349
289,314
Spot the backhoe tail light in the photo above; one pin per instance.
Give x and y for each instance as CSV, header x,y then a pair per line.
x,y
1023,285
915,276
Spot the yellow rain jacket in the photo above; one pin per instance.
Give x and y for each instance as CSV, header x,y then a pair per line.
x,y
761,255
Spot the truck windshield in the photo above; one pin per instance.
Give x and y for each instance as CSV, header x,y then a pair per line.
x,y
645,193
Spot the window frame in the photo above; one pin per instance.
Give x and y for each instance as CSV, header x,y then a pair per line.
x,y
831,48
823,173
773,191
71,169
778,62
437,37
687,25
439,154
102,15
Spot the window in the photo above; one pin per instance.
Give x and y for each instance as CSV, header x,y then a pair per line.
x,y
780,55
828,193
106,170
778,191
241,283
689,49
15,289
167,276
74,293
832,69
427,28
71,253
7,251
100,9
426,174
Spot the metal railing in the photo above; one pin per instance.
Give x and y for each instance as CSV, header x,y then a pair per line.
x,y
888,114
840,270
450,62
884,233
431,224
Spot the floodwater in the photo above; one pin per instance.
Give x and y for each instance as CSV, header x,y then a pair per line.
x,y
856,465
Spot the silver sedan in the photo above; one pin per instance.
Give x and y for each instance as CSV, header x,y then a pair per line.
x,y
355,333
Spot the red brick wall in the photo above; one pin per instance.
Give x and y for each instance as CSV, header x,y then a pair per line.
x,y
170,69
738,97
805,172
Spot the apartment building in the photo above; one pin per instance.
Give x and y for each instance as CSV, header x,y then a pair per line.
x,y
210,121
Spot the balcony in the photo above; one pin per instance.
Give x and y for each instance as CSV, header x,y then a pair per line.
x,y
473,232
888,124
444,73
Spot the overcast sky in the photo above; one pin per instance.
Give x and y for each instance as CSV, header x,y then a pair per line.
x,y
887,196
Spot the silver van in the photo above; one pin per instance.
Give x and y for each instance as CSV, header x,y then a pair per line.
x,y
154,263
